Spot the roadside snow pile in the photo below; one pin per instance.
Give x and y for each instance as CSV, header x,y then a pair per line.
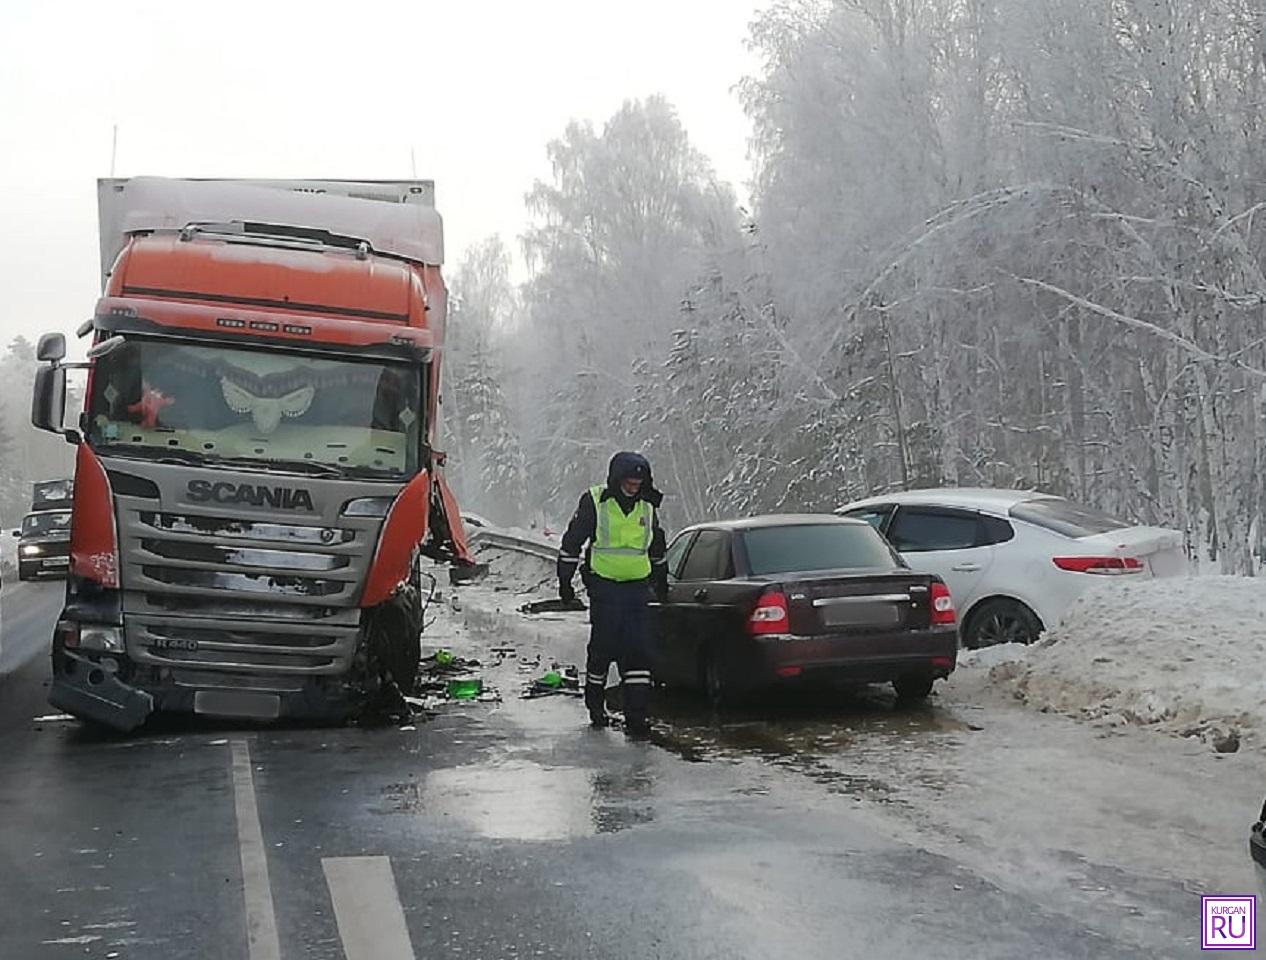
x,y
518,572
987,657
1183,656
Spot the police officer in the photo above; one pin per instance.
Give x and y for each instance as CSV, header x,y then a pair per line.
x,y
624,564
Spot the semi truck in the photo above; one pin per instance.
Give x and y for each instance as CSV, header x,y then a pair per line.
x,y
256,482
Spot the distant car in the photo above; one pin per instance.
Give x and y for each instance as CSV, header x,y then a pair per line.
x,y
44,544
1015,560
775,600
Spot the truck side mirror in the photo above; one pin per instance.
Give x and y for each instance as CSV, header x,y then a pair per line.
x,y
51,348
17,533
48,400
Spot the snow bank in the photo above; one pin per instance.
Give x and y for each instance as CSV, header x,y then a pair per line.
x,y
1183,656
988,657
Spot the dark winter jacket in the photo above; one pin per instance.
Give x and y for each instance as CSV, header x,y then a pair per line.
x,y
584,522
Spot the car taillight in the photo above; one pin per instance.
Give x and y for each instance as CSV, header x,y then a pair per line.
x,y
770,615
1104,566
943,613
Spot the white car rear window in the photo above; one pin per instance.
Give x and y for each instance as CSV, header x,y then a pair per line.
x,y
1064,516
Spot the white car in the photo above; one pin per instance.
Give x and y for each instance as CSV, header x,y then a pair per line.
x,y
1015,560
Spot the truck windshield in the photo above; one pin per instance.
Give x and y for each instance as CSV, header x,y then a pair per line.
x,y
155,398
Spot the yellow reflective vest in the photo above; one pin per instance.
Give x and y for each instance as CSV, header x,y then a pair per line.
x,y
620,549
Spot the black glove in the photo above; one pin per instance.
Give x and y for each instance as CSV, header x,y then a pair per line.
x,y
566,592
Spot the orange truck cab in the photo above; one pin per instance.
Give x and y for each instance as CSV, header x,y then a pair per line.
x,y
256,479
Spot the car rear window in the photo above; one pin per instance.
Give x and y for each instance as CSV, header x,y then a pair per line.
x,y
804,547
1064,516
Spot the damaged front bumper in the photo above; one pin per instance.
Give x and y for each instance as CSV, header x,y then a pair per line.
x,y
90,691
97,688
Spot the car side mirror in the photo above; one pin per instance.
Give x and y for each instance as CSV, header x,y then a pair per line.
x,y
51,348
17,533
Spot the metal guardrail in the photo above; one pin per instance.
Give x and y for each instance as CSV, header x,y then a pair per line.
x,y
483,537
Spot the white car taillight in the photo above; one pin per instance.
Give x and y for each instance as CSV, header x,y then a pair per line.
x,y
1102,566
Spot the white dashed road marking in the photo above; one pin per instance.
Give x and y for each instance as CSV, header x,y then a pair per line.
x,y
367,907
261,920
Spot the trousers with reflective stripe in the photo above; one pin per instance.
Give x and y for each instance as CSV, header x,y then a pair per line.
x,y
620,633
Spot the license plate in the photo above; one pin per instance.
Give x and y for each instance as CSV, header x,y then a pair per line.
x,y
234,703
861,615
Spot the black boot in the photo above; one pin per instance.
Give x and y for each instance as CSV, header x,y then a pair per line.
x,y
596,703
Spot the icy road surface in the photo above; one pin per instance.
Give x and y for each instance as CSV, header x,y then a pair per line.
x,y
973,827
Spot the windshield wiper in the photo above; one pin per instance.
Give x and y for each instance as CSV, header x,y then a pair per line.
x,y
313,468
310,467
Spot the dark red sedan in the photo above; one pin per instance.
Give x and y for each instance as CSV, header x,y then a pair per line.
x,y
789,599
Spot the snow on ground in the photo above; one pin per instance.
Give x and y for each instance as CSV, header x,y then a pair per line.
x,y
1181,656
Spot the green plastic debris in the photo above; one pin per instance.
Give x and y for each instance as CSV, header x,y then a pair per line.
x,y
551,679
466,688
444,657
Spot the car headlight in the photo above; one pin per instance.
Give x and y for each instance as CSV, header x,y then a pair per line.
x,y
30,551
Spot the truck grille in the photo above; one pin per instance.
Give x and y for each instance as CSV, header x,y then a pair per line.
x,y
215,593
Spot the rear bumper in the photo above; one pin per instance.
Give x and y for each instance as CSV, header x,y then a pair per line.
x,y
84,688
848,658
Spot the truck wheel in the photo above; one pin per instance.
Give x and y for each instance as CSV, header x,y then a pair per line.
x,y
26,571
386,664
398,638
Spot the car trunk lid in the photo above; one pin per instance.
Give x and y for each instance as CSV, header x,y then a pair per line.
x,y
1159,551
821,603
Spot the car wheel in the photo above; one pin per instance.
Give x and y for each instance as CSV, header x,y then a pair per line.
x,y
913,686
714,685
1001,621
25,572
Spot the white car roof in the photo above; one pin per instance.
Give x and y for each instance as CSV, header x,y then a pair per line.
x,y
965,498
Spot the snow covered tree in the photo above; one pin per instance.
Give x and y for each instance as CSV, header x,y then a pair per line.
x,y
487,465
620,232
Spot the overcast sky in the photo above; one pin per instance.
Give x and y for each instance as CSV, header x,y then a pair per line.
x,y
320,89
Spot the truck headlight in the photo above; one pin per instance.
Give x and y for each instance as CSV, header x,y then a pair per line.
x,y
30,550
91,636
368,507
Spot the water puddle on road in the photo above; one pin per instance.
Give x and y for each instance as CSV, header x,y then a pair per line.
x,y
838,742
523,800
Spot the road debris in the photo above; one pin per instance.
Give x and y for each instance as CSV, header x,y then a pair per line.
x,y
555,605
557,681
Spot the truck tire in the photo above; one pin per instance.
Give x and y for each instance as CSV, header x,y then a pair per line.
x,y
386,664
397,641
